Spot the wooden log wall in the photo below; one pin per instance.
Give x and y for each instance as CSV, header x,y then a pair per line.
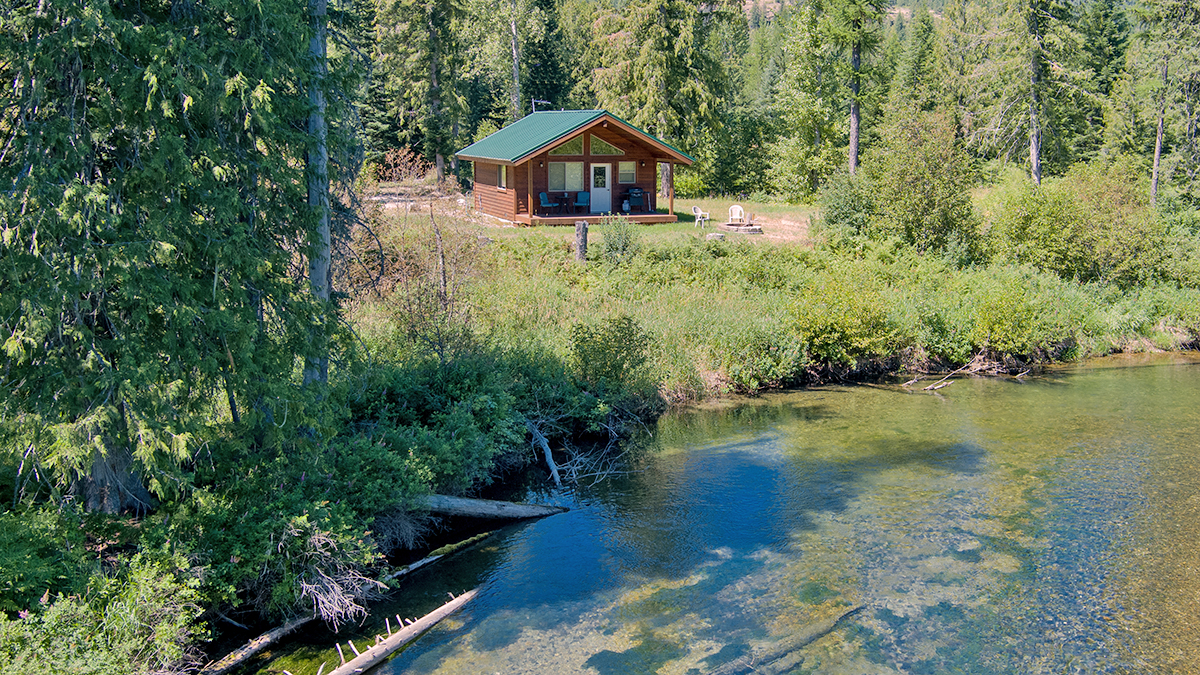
x,y
489,197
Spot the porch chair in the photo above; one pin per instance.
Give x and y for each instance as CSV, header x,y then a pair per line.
x,y
583,199
737,216
637,200
547,203
701,217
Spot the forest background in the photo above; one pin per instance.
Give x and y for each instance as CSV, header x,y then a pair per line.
x,y
229,377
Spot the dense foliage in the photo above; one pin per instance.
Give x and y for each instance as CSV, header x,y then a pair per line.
x,y
1027,193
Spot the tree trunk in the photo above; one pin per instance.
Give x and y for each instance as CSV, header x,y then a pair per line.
x,y
111,485
1158,138
317,368
1035,100
516,64
486,508
1035,142
813,177
384,647
435,105
581,234
668,181
855,113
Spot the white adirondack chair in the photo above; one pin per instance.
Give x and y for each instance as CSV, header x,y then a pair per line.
x,y
701,217
737,216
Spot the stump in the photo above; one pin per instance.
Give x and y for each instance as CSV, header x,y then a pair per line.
x,y
581,240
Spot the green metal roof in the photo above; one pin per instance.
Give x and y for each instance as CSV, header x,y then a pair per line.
x,y
538,130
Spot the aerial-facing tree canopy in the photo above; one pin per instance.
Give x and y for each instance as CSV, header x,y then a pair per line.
x,y
154,223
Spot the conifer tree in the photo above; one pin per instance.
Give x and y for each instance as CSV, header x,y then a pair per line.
x,y
418,56
809,108
853,26
152,212
1170,64
654,68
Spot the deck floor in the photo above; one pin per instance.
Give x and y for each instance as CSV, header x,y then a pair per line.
x,y
593,218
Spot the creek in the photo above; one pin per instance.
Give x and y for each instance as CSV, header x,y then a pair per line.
x,y
995,526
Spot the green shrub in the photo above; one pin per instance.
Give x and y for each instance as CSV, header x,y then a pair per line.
x,y
1095,224
1018,312
848,210
920,179
614,351
144,619
760,357
622,241
41,552
844,317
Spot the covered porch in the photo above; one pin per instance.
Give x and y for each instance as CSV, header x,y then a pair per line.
x,y
594,218
559,167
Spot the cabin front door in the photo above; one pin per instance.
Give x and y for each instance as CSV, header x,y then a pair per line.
x,y
601,188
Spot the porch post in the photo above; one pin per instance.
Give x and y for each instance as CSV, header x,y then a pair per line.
x,y
529,187
671,190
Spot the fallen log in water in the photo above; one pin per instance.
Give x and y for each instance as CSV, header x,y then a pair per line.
x,y
486,508
384,647
780,657
239,656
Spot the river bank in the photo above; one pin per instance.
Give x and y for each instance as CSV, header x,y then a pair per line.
x,y
994,524
463,355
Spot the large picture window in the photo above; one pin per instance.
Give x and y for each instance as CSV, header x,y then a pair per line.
x,y
627,172
571,147
603,147
566,176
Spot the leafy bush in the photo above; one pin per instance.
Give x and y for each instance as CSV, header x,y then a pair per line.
x,y
1093,224
761,357
144,619
268,523
848,209
622,241
920,177
41,553
613,352
844,317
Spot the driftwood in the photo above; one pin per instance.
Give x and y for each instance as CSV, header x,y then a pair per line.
x,y
385,647
781,656
486,508
238,657
539,440
413,567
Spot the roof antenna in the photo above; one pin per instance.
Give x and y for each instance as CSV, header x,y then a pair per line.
x,y
534,101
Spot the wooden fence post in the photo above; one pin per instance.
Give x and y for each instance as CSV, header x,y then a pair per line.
x,y
581,240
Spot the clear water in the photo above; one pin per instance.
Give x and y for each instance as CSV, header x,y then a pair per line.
x,y
1049,526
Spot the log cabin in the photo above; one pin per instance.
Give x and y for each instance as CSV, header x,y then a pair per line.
x,y
557,167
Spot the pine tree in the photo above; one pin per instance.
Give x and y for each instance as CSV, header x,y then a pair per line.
x,y
1040,78
654,68
809,97
418,56
1170,65
153,210
853,26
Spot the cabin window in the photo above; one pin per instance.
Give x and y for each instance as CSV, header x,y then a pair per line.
x,y
603,147
627,172
502,177
571,147
566,176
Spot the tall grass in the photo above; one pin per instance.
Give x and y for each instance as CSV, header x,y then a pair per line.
x,y
729,317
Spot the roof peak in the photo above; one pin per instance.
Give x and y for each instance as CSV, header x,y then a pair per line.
x,y
525,136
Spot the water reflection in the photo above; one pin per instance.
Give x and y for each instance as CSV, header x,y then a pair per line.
x,y
998,528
